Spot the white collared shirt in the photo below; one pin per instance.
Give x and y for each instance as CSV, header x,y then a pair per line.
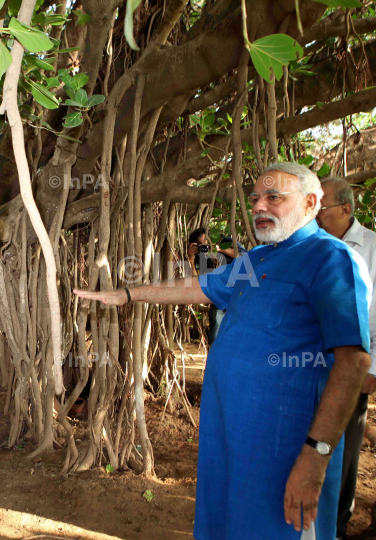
x,y
363,241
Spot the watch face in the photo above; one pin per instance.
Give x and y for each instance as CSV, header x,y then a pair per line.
x,y
323,448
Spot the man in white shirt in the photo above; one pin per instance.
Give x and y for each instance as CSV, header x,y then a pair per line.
x,y
336,217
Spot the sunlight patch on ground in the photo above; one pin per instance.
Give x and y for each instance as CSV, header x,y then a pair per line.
x,y
17,525
187,498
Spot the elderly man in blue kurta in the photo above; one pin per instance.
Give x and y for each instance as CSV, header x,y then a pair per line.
x,y
284,373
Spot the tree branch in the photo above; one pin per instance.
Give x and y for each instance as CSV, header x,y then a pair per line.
x,y
237,171
360,177
360,102
172,14
336,26
11,107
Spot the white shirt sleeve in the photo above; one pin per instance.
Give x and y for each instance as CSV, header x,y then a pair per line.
x,y
372,330
363,241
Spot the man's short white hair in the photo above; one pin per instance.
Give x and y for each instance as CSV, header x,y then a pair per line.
x,y
309,182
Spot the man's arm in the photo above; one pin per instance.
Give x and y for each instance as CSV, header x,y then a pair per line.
x,y
369,386
334,412
192,252
181,291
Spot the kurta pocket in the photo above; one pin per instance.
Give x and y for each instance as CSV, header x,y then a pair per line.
x,y
267,303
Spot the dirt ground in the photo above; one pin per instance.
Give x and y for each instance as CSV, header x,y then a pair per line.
x,y
37,502
359,526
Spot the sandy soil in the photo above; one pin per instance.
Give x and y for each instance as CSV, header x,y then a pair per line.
x,y
36,501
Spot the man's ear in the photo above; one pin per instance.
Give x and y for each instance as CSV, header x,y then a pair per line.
x,y
311,200
346,210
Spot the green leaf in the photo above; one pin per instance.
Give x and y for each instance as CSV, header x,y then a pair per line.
x,y
226,245
306,72
367,197
109,468
46,125
72,103
323,171
307,160
81,97
50,19
82,18
95,100
270,53
370,182
76,82
61,134
205,152
69,92
361,218
341,3
5,59
67,80
60,51
222,122
14,7
218,199
73,120
217,212
55,42
132,5
148,495
52,82
331,41
215,235
24,85
30,38
40,64
26,107
43,96
30,117
209,119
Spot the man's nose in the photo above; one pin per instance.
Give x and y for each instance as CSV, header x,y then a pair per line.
x,y
260,206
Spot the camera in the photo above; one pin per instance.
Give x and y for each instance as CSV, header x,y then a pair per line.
x,y
203,248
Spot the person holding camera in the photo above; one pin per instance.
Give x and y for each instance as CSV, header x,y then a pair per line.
x,y
202,262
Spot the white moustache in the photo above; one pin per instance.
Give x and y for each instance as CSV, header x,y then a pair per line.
x,y
261,215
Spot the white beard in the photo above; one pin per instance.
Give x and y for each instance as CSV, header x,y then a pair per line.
x,y
284,226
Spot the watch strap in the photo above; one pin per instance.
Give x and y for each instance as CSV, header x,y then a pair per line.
x,y
312,442
128,294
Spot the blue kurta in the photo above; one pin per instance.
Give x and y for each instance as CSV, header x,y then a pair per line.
x,y
287,306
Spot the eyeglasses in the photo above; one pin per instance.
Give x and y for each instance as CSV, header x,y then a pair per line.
x,y
270,198
332,206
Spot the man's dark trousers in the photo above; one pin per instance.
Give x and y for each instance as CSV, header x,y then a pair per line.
x,y
215,318
353,442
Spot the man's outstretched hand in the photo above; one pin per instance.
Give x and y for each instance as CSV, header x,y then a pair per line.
x,y
115,298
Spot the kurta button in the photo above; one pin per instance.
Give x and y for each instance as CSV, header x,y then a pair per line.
x,y
261,260
240,294
275,245
250,275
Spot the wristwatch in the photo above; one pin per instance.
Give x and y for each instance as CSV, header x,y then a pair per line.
x,y
323,448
